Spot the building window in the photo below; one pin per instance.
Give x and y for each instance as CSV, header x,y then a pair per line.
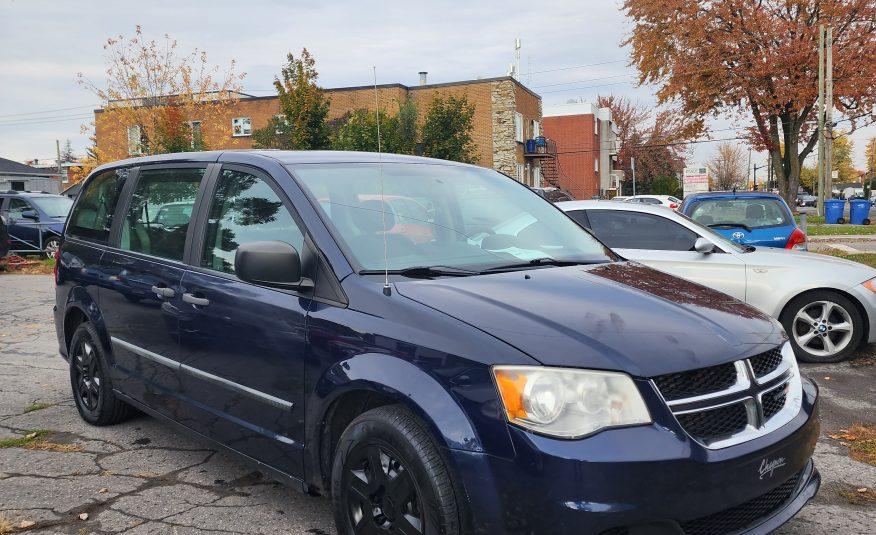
x,y
596,165
241,126
520,169
536,176
197,136
536,129
518,126
135,140
282,121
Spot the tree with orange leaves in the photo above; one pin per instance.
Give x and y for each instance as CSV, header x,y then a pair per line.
x,y
759,60
160,95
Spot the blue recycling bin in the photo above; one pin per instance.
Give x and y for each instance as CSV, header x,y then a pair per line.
x,y
530,146
833,211
859,211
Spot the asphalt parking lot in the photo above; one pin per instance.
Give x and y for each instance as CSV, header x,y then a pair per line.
x,y
142,477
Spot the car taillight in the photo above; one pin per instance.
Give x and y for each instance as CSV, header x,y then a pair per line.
x,y
57,260
797,240
673,205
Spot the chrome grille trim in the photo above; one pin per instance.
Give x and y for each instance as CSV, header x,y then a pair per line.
x,y
749,391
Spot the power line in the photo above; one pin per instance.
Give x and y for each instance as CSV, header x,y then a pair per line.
x,y
46,111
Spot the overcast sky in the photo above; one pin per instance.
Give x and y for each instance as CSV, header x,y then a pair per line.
x,y
45,44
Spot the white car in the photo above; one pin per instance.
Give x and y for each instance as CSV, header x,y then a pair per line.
x,y
827,305
656,200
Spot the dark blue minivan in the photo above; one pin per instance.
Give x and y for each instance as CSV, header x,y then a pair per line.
x,y
433,345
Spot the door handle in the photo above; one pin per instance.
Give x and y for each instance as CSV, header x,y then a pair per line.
x,y
194,300
122,261
163,291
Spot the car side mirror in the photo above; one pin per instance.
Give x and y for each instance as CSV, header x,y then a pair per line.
x,y
704,246
270,263
30,214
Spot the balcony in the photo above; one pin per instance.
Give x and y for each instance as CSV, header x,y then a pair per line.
x,y
540,147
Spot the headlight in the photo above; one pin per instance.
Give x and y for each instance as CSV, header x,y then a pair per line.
x,y
569,403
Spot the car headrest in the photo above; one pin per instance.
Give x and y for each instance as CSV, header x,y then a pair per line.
x,y
755,211
368,218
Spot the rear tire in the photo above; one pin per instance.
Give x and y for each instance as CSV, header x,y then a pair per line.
x,y
90,380
389,477
823,326
841,221
50,246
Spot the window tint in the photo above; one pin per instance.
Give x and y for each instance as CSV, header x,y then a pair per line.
x,y
17,207
633,230
245,209
159,213
580,217
92,215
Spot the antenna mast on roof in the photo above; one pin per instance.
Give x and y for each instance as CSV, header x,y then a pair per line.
x,y
387,290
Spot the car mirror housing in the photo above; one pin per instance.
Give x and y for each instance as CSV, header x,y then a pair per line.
x,y
30,214
704,246
270,263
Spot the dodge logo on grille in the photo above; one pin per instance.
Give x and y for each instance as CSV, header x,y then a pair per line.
x,y
768,467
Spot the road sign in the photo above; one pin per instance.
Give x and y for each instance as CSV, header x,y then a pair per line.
x,y
696,180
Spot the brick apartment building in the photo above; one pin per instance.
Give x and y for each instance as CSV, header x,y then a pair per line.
x,y
506,115
586,144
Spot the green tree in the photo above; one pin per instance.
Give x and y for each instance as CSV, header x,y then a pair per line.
x,y
665,185
809,177
408,133
842,158
276,135
359,133
304,105
447,130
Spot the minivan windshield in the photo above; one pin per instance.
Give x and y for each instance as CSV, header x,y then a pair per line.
x,y
745,212
442,216
53,206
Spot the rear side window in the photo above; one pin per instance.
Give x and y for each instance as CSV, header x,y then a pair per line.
x,y
633,230
245,209
92,216
158,215
17,207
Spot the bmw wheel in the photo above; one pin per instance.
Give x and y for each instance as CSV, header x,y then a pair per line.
x,y
50,247
824,326
389,478
92,387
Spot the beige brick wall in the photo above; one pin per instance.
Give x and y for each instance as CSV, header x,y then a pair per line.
x,y
484,95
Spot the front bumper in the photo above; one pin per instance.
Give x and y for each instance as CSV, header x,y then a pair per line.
x,y
646,479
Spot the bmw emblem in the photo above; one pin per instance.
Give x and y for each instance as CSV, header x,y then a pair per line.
x,y
738,235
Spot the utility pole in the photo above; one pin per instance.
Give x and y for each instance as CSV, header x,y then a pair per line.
x,y
828,112
633,165
755,175
58,151
747,167
820,172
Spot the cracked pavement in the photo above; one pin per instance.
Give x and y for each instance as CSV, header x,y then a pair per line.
x,y
142,477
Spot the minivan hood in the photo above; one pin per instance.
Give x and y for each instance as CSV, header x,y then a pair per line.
x,y
618,316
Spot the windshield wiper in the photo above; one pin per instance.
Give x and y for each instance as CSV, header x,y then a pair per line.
x,y
545,261
424,272
731,225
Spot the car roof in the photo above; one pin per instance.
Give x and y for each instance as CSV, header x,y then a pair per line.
x,y
28,194
615,205
286,157
731,194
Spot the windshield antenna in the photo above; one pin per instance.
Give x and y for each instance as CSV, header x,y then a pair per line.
x,y
387,290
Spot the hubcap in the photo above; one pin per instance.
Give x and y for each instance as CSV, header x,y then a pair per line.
x,y
51,248
822,328
381,494
87,375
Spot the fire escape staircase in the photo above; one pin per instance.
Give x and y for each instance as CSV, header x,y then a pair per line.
x,y
545,151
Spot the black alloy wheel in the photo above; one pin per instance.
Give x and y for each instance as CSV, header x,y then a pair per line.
x,y
92,386
382,495
86,374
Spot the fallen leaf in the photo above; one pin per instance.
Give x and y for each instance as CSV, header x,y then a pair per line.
x,y
26,524
863,489
103,490
827,378
83,516
30,436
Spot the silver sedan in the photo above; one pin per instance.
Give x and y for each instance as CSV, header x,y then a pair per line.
x,y
826,304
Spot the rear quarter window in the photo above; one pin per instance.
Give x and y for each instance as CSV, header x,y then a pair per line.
x,y
92,215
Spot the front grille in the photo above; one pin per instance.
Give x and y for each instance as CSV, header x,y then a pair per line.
x,y
696,382
766,362
715,423
773,401
730,403
743,515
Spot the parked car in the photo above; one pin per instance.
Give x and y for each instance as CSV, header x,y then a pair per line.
x,y
35,220
4,238
619,198
807,200
554,194
827,305
749,217
657,200
475,383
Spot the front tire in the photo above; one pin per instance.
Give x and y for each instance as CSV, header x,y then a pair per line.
x,y
824,326
50,246
89,378
389,477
